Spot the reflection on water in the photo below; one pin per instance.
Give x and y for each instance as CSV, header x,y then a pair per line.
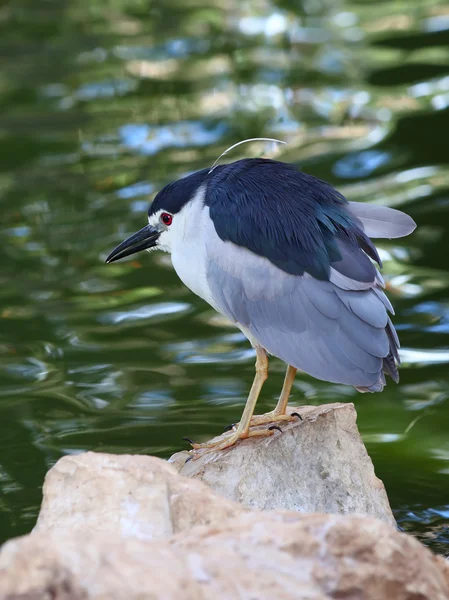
x,y
101,106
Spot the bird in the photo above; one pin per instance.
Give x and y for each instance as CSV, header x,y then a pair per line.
x,y
290,261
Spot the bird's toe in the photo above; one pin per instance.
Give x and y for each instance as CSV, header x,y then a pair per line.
x,y
224,442
273,417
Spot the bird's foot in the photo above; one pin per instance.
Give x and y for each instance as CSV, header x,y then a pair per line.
x,y
226,442
273,417
270,417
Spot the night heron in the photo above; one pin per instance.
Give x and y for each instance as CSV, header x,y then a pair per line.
x,y
290,261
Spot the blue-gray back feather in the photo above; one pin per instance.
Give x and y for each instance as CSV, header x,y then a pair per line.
x,y
300,223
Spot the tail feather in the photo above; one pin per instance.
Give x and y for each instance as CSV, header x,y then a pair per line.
x,y
394,340
380,222
390,367
392,360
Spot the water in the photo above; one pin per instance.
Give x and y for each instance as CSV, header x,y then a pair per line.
x,y
102,103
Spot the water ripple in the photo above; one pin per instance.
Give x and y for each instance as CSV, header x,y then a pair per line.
x,y
145,313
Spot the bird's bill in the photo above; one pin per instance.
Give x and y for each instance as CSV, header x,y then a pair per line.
x,y
143,239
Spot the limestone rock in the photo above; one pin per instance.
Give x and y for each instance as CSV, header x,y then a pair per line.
x,y
34,570
114,527
319,464
286,556
139,496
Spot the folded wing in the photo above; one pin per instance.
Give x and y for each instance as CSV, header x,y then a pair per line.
x,y
331,332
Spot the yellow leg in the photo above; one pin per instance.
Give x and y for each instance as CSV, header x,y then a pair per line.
x,y
281,406
242,431
280,411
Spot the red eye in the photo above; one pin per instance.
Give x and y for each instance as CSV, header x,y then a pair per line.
x,y
166,218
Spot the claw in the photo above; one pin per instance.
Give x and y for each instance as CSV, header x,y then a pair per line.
x,y
229,427
274,427
295,414
186,439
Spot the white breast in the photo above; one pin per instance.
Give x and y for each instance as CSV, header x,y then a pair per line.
x,y
188,251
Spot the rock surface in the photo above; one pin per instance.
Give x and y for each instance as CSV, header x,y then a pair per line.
x,y
124,495
263,556
114,527
319,464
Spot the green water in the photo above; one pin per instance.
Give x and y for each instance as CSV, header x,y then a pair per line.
x,y
102,103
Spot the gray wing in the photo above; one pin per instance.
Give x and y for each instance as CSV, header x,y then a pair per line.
x,y
324,328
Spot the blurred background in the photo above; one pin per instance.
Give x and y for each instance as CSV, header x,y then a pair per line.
x,y
105,101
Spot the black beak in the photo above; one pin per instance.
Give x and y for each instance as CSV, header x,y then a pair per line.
x,y
143,239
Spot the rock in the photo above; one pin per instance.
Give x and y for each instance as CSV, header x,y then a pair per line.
x,y
139,496
33,569
319,464
114,527
263,556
